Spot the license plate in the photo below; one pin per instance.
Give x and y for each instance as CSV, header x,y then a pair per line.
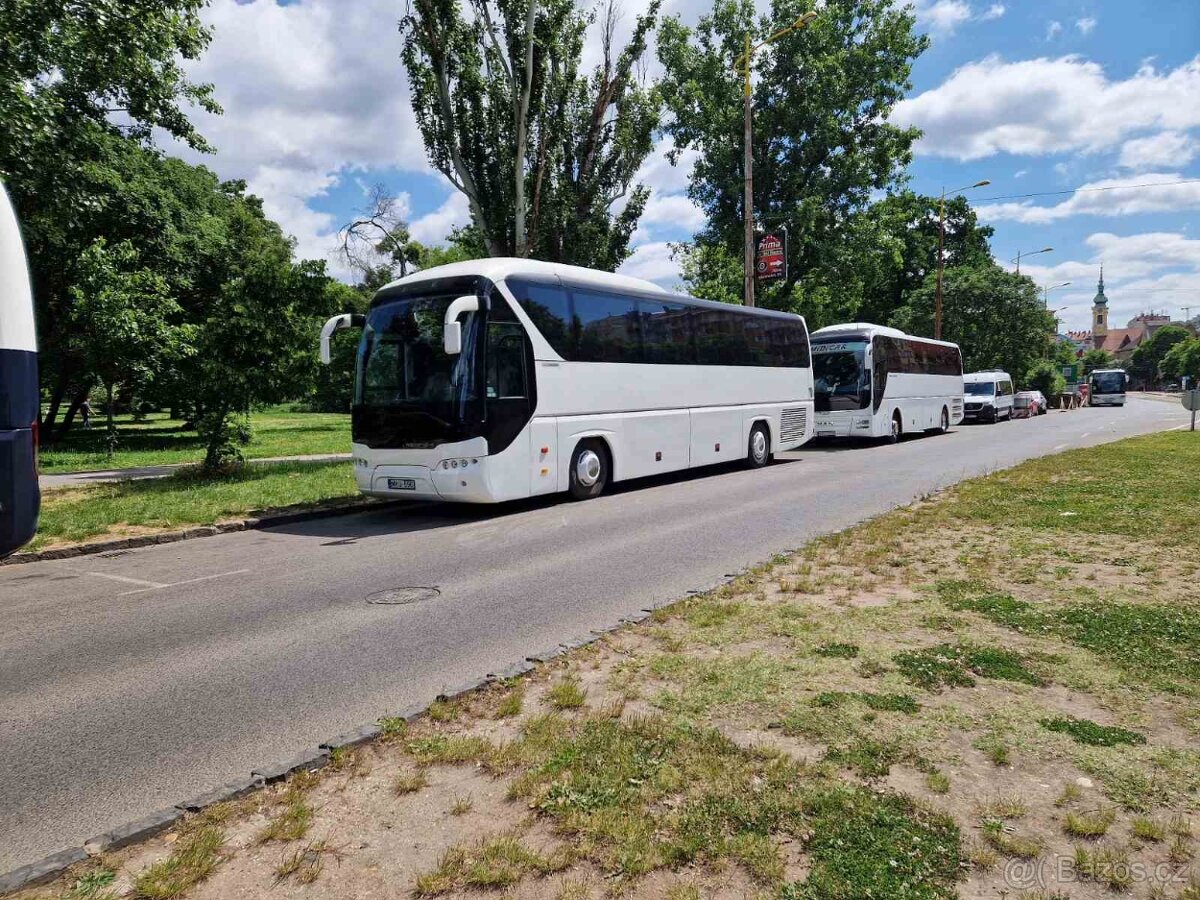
x,y
402,484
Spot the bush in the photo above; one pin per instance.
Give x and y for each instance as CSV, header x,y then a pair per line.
x,y
1044,376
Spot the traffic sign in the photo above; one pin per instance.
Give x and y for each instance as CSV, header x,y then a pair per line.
x,y
1191,400
772,257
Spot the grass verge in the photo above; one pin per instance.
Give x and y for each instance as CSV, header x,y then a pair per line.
x,y
158,440
186,499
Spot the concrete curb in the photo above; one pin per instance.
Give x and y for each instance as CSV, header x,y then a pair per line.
x,y
271,520
307,760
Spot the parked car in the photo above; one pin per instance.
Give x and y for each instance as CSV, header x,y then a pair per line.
x,y
1027,404
988,396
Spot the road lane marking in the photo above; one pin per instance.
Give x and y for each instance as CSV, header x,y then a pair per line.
x,y
149,585
158,587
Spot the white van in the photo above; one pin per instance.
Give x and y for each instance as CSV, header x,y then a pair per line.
x,y
988,396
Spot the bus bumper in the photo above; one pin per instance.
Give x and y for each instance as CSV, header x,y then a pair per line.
x,y
842,426
463,480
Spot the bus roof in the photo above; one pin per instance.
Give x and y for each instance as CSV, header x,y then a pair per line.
x,y
869,330
499,267
17,330
1107,371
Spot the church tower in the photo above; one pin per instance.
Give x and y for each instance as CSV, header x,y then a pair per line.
x,y
1100,313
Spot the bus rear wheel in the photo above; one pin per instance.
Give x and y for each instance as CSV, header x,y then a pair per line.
x,y
758,449
590,470
945,426
897,429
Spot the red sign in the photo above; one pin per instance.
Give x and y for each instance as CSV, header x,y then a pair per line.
x,y
772,258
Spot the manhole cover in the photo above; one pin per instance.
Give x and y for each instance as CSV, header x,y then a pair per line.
x,y
403,595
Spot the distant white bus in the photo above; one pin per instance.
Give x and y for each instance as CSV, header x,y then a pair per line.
x,y
878,382
20,499
498,379
1106,387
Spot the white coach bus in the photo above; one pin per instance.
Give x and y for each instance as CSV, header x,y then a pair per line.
x,y
878,382
20,498
497,379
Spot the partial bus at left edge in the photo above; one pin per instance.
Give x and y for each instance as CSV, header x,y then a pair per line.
x,y
20,498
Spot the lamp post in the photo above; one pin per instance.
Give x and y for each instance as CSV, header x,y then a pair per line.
x,y
743,65
1055,312
1029,253
1046,293
937,305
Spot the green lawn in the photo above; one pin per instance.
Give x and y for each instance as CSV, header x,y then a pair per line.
x,y
158,440
186,500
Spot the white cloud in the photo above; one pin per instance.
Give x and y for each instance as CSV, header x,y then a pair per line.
x,y
1098,199
1167,148
1021,173
1142,272
434,227
311,91
1042,106
1085,25
1053,29
658,174
942,16
995,11
653,262
673,210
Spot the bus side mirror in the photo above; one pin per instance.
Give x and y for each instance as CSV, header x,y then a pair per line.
x,y
336,324
452,342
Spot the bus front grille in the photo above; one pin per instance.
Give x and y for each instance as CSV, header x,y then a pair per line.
x,y
793,423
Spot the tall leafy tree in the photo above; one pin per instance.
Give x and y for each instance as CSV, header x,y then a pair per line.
x,y
543,151
823,144
1097,359
1182,361
995,316
124,323
1150,353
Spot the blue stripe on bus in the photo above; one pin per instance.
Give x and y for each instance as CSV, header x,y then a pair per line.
x,y
20,499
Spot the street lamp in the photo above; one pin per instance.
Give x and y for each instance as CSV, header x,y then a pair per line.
x,y
1029,253
743,65
937,306
1046,292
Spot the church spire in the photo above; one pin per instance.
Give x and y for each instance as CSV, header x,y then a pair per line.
x,y
1101,299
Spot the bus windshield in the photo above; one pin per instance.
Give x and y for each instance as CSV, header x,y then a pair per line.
x,y
402,360
980,388
1108,382
840,376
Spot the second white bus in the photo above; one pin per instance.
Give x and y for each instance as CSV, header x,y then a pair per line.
x,y
498,379
877,382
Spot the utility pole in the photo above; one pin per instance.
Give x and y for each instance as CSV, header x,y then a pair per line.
x,y
1028,253
742,65
937,303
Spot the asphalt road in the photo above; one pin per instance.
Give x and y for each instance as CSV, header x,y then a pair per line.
x,y
134,681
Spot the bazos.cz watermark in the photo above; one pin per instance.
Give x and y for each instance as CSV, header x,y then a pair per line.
x,y
1047,872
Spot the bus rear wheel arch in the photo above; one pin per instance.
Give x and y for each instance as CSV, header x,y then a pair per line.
x,y
758,447
896,429
591,469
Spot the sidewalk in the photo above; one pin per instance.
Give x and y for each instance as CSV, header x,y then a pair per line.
x,y
78,479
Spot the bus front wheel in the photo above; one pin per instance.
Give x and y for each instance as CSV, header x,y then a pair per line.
x,y
897,429
758,450
590,470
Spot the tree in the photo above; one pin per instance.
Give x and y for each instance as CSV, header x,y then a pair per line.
x,y
822,141
1182,361
123,322
1097,359
995,316
1149,354
542,152
378,237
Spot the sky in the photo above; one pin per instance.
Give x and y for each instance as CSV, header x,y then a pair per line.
x,y
1036,96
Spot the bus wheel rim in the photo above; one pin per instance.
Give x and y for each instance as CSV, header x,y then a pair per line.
x,y
587,468
758,444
